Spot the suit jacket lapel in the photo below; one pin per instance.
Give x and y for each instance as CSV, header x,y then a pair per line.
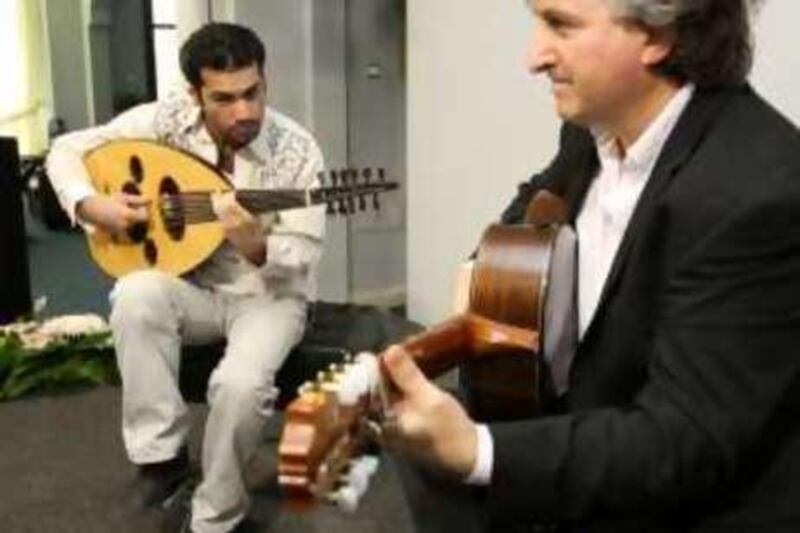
x,y
693,124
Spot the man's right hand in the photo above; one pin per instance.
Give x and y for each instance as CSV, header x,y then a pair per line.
x,y
115,213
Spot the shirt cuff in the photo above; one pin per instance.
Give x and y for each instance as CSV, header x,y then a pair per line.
x,y
73,194
482,471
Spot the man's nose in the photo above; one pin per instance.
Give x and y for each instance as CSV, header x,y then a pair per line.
x,y
244,109
540,55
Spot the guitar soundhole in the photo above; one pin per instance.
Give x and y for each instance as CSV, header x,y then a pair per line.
x,y
172,208
150,252
137,172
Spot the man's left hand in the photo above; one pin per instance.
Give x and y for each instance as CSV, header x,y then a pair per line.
x,y
242,229
426,424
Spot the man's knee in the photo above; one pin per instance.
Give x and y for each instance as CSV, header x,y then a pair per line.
x,y
139,296
242,393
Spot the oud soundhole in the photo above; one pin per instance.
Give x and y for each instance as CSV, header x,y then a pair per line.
x,y
131,188
172,209
136,169
138,232
150,252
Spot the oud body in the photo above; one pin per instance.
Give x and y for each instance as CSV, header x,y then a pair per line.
x,y
182,230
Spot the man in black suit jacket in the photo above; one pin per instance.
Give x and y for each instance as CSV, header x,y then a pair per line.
x,y
683,404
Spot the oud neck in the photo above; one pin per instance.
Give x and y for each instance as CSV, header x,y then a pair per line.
x,y
262,201
465,337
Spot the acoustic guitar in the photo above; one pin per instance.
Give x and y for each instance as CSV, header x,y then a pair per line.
x,y
520,312
182,230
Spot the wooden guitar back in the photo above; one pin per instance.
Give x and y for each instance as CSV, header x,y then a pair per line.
x,y
521,275
150,170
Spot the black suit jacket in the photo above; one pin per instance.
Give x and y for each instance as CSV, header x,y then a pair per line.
x,y
683,411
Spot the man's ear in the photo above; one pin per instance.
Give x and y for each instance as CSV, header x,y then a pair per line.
x,y
194,92
658,46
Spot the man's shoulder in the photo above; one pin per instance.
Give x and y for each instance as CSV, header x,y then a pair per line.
x,y
175,114
281,127
282,134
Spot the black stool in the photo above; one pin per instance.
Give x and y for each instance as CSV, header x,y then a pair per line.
x,y
334,330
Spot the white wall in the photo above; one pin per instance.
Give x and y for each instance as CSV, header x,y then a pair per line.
x,y
778,56
66,25
478,124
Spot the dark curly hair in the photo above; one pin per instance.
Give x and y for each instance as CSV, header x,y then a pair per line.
x,y
713,45
220,46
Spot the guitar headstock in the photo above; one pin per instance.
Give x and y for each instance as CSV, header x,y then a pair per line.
x,y
320,454
348,190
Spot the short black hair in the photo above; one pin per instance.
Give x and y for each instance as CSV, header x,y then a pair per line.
x,y
220,46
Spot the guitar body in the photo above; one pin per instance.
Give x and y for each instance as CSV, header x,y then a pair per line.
x,y
508,286
152,170
520,312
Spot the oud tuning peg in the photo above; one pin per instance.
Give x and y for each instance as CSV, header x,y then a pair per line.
x,y
329,210
342,207
334,178
382,175
321,178
367,174
376,203
362,203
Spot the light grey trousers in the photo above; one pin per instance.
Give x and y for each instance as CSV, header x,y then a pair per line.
x,y
152,315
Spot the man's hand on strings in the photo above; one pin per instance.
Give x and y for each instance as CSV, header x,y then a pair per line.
x,y
425,423
114,213
243,230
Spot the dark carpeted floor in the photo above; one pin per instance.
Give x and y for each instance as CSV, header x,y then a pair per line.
x,y
62,463
63,469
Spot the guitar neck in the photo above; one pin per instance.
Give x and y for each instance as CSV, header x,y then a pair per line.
x,y
465,337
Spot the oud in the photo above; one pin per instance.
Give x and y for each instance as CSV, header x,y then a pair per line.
x,y
182,230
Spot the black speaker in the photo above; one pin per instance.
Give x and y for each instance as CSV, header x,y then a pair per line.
x,y
15,286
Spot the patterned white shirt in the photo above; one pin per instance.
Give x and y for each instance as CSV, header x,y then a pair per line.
x,y
284,155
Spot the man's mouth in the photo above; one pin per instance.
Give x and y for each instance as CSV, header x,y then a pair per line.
x,y
244,131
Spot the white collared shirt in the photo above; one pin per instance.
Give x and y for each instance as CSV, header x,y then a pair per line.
x,y
611,199
284,155
601,224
